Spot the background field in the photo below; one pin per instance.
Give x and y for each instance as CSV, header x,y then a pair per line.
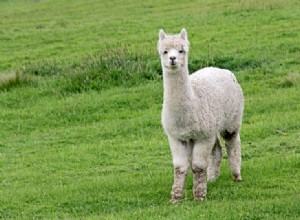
x,y
80,101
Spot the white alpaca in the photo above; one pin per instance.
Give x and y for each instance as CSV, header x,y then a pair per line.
x,y
196,108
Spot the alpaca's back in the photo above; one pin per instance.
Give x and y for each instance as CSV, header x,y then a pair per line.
x,y
223,96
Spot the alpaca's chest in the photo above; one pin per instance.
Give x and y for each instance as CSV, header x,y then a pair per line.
x,y
181,124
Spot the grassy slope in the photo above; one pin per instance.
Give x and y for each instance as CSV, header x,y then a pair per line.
x,y
103,153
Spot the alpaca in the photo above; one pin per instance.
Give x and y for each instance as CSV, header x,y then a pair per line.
x,y
196,109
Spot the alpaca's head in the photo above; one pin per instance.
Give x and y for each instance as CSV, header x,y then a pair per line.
x,y
173,50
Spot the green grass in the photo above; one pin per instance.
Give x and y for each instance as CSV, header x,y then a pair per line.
x,y
80,103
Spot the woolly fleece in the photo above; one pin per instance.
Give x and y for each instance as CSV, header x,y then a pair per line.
x,y
196,108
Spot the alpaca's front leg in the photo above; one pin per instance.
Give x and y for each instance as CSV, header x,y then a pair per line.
x,y
201,156
180,154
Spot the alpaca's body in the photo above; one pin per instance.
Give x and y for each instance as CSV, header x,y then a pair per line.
x,y
196,109
212,105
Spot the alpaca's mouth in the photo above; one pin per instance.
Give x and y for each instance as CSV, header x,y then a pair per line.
x,y
173,63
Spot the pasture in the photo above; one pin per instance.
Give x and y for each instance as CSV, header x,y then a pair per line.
x,y
81,97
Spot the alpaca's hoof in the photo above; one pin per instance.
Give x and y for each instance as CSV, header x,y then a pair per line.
x,y
237,177
175,201
199,196
199,199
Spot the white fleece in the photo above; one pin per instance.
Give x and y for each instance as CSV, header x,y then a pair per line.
x,y
196,108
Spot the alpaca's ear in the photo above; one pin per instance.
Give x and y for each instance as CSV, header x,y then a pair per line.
x,y
161,34
183,34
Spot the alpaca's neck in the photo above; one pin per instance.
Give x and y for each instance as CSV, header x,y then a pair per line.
x,y
177,87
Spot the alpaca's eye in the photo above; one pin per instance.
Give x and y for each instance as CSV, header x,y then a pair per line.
x,y
165,52
181,51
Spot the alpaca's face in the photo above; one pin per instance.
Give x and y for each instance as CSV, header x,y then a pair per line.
x,y
173,50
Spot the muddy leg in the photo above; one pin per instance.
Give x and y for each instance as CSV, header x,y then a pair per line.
x,y
180,154
201,154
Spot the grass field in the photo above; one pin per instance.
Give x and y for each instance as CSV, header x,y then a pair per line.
x,y
80,102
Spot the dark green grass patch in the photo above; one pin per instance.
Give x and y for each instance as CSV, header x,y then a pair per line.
x,y
12,80
106,68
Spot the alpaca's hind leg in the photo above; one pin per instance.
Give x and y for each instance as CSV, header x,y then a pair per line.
x,y
180,154
200,160
233,146
213,170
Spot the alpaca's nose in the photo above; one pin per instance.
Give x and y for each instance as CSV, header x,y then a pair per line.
x,y
173,58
